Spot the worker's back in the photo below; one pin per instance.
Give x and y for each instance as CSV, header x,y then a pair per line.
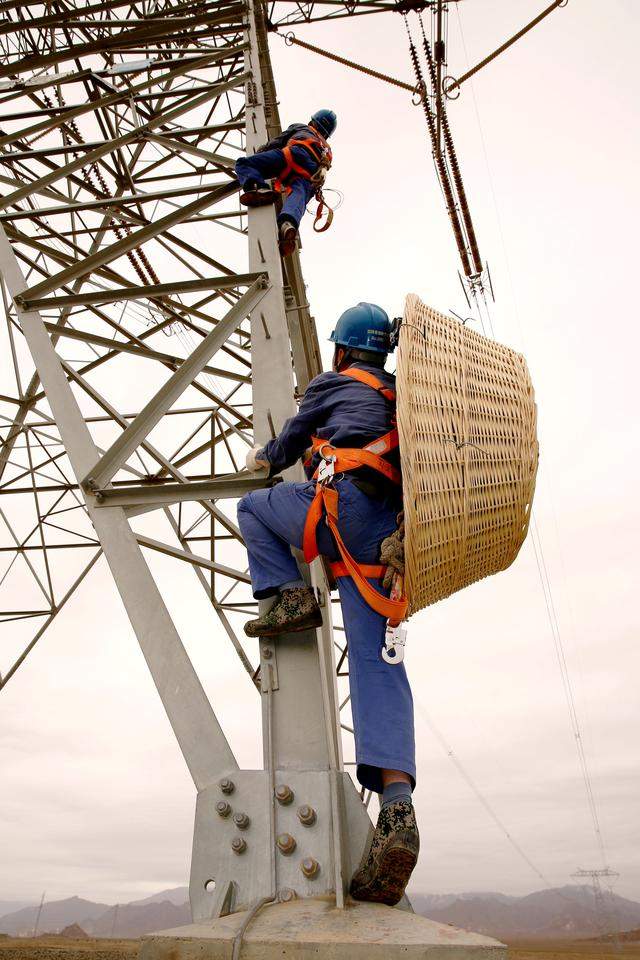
x,y
352,414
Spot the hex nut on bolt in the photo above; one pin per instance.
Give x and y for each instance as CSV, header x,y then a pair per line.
x,y
306,815
241,820
286,844
227,786
286,895
310,867
238,845
222,808
284,794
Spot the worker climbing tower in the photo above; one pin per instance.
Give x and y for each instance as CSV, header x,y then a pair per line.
x,y
152,332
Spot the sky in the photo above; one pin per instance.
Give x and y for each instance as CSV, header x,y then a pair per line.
x,y
96,799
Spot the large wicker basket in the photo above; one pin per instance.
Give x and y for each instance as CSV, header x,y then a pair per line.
x,y
467,423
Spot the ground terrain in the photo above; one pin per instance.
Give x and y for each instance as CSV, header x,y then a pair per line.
x,y
61,948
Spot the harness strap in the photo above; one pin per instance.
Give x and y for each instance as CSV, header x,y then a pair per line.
x,y
321,152
372,571
319,227
326,499
350,458
371,381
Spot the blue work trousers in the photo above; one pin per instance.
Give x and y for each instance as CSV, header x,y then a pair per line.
x,y
271,521
261,167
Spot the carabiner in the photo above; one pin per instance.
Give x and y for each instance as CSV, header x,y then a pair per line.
x,y
395,639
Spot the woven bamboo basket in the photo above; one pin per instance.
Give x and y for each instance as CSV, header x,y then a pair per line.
x,y
467,424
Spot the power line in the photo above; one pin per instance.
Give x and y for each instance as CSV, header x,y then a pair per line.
x,y
535,537
480,796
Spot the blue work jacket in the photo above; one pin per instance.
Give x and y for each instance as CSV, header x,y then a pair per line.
x,y
343,411
298,131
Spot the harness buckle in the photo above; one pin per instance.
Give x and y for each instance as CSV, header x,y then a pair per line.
x,y
395,639
327,465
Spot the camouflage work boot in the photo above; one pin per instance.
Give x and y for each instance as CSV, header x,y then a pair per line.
x,y
384,874
295,609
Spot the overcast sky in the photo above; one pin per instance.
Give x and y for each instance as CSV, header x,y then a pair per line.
x,y
95,798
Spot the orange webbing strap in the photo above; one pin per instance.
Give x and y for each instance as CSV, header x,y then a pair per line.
x,y
372,571
313,518
327,498
291,166
371,381
322,203
350,458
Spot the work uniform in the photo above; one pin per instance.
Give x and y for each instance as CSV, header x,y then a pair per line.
x,y
269,162
347,413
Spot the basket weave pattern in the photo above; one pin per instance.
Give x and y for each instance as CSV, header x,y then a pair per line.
x,y
467,424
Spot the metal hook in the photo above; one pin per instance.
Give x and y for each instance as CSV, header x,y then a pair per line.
x,y
395,639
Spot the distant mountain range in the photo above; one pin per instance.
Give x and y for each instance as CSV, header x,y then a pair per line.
x,y
563,912
170,908
547,914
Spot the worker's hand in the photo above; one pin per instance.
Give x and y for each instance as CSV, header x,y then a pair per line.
x,y
253,464
392,553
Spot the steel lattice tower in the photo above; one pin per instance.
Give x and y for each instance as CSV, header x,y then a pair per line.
x,y
152,330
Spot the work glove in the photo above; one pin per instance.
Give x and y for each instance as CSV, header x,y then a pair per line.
x,y
253,464
392,553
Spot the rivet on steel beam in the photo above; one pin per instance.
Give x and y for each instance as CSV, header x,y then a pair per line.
x,y
310,867
306,815
238,845
267,653
284,794
241,820
227,786
286,844
222,808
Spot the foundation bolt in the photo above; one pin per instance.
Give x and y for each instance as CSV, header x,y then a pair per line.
x,y
284,794
306,815
310,867
238,845
286,844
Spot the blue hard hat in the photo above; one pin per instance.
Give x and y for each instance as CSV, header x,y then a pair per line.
x,y
364,327
325,121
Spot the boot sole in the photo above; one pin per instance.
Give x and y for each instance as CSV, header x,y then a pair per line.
x,y
314,620
392,876
258,199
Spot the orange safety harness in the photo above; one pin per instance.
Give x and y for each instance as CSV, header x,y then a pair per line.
x,y
342,459
321,152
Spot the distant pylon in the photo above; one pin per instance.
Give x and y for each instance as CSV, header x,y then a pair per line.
x,y
35,926
115,920
605,920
